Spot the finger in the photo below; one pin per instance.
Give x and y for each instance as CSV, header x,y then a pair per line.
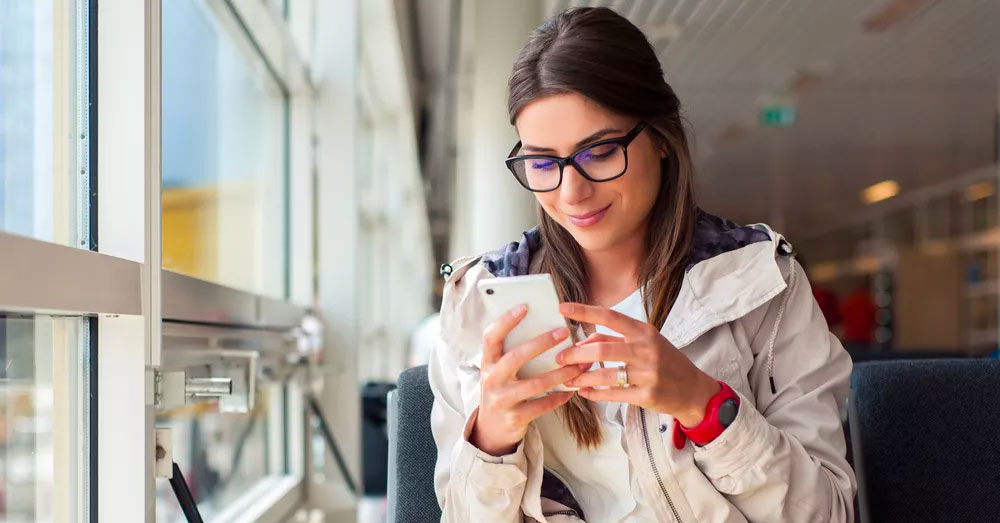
x,y
613,320
496,332
599,351
600,337
632,395
536,408
515,358
528,388
608,378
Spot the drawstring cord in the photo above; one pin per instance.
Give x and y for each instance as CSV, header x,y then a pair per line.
x,y
777,322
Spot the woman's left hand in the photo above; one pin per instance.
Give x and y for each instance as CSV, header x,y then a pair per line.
x,y
660,378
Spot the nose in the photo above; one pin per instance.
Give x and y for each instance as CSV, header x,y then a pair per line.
x,y
575,188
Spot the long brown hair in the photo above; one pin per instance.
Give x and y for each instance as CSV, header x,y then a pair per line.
x,y
599,54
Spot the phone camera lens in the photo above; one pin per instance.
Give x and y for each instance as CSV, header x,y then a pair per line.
x,y
489,291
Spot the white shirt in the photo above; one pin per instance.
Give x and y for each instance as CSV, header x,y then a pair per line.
x,y
601,479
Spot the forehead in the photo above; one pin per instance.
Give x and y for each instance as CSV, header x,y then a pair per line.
x,y
560,121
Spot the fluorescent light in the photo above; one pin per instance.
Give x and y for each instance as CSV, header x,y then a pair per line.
x,y
880,191
979,191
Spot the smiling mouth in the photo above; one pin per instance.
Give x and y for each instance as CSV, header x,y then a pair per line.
x,y
584,220
589,214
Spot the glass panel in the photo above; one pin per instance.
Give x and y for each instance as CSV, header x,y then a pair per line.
x,y
43,444
39,187
222,455
224,153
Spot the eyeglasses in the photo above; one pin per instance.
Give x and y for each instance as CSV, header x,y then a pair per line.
x,y
600,161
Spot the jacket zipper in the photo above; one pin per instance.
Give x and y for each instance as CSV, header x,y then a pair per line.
x,y
656,471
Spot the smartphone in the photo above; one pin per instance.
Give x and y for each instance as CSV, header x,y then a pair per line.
x,y
539,293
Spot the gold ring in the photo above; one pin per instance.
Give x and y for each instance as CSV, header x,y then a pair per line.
x,y
623,376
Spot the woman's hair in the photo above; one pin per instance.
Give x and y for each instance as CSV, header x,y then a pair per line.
x,y
600,55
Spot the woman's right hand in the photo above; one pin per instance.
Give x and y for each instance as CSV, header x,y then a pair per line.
x,y
506,407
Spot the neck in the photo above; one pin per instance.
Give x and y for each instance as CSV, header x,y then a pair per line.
x,y
613,273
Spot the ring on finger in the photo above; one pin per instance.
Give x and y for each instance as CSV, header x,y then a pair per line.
x,y
623,376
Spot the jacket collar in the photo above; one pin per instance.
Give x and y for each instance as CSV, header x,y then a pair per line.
x,y
731,271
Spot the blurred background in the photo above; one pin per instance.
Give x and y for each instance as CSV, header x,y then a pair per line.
x,y
328,156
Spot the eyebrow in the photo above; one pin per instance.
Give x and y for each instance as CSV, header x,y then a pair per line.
x,y
581,143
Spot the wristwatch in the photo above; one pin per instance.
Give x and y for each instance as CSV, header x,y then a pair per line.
x,y
719,414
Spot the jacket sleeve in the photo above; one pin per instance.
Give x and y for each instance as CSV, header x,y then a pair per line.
x,y
783,458
470,484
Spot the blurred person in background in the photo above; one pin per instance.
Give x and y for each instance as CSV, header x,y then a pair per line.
x,y
726,406
859,311
827,300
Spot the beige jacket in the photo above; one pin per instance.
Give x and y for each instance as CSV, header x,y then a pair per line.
x,y
745,315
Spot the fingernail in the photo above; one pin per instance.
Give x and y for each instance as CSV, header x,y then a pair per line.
x,y
565,308
519,310
560,333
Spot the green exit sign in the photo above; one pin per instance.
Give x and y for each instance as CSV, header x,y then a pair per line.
x,y
777,116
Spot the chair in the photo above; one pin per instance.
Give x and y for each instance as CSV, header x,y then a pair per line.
x,y
412,452
926,439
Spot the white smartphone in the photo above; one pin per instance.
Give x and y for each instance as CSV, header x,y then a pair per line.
x,y
539,293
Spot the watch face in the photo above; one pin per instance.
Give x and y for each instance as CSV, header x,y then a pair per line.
x,y
727,412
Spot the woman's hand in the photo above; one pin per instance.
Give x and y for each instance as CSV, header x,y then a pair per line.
x,y
507,407
660,377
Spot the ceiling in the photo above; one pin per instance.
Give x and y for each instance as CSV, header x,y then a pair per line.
x,y
915,101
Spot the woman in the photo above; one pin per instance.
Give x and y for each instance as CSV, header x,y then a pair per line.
x,y
726,408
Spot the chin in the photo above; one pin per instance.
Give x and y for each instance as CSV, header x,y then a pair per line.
x,y
592,238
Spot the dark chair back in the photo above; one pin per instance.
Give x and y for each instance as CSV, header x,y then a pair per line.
x,y
926,439
412,452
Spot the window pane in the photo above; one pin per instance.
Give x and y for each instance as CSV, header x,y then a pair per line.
x,y
43,443
223,152
41,192
222,455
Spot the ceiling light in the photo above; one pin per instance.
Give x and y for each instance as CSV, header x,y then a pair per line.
x,y
979,191
880,191
892,13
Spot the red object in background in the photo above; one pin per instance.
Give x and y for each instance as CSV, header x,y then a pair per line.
x,y
858,311
828,305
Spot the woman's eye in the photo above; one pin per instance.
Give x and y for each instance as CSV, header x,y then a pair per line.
x,y
599,152
542,165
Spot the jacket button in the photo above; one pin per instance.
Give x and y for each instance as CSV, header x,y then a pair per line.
x,y
663,428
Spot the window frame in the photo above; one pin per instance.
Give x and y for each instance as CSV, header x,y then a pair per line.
x,y
123,300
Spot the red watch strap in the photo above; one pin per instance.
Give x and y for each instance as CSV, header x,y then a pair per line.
x,y
709,428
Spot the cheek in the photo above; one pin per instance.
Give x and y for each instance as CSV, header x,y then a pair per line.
x,y
548,202
641,184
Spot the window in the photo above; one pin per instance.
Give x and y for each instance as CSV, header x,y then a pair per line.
x,y
224,152
43,135
46,365
44,373
221,455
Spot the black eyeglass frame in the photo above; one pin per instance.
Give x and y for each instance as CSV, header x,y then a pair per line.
x,y
562,161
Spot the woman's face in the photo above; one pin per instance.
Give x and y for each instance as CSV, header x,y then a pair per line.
x,y
599,215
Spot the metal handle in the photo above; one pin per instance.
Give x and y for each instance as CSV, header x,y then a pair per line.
x,y
208,387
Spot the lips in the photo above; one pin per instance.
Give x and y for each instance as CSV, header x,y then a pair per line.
x,y
588,219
